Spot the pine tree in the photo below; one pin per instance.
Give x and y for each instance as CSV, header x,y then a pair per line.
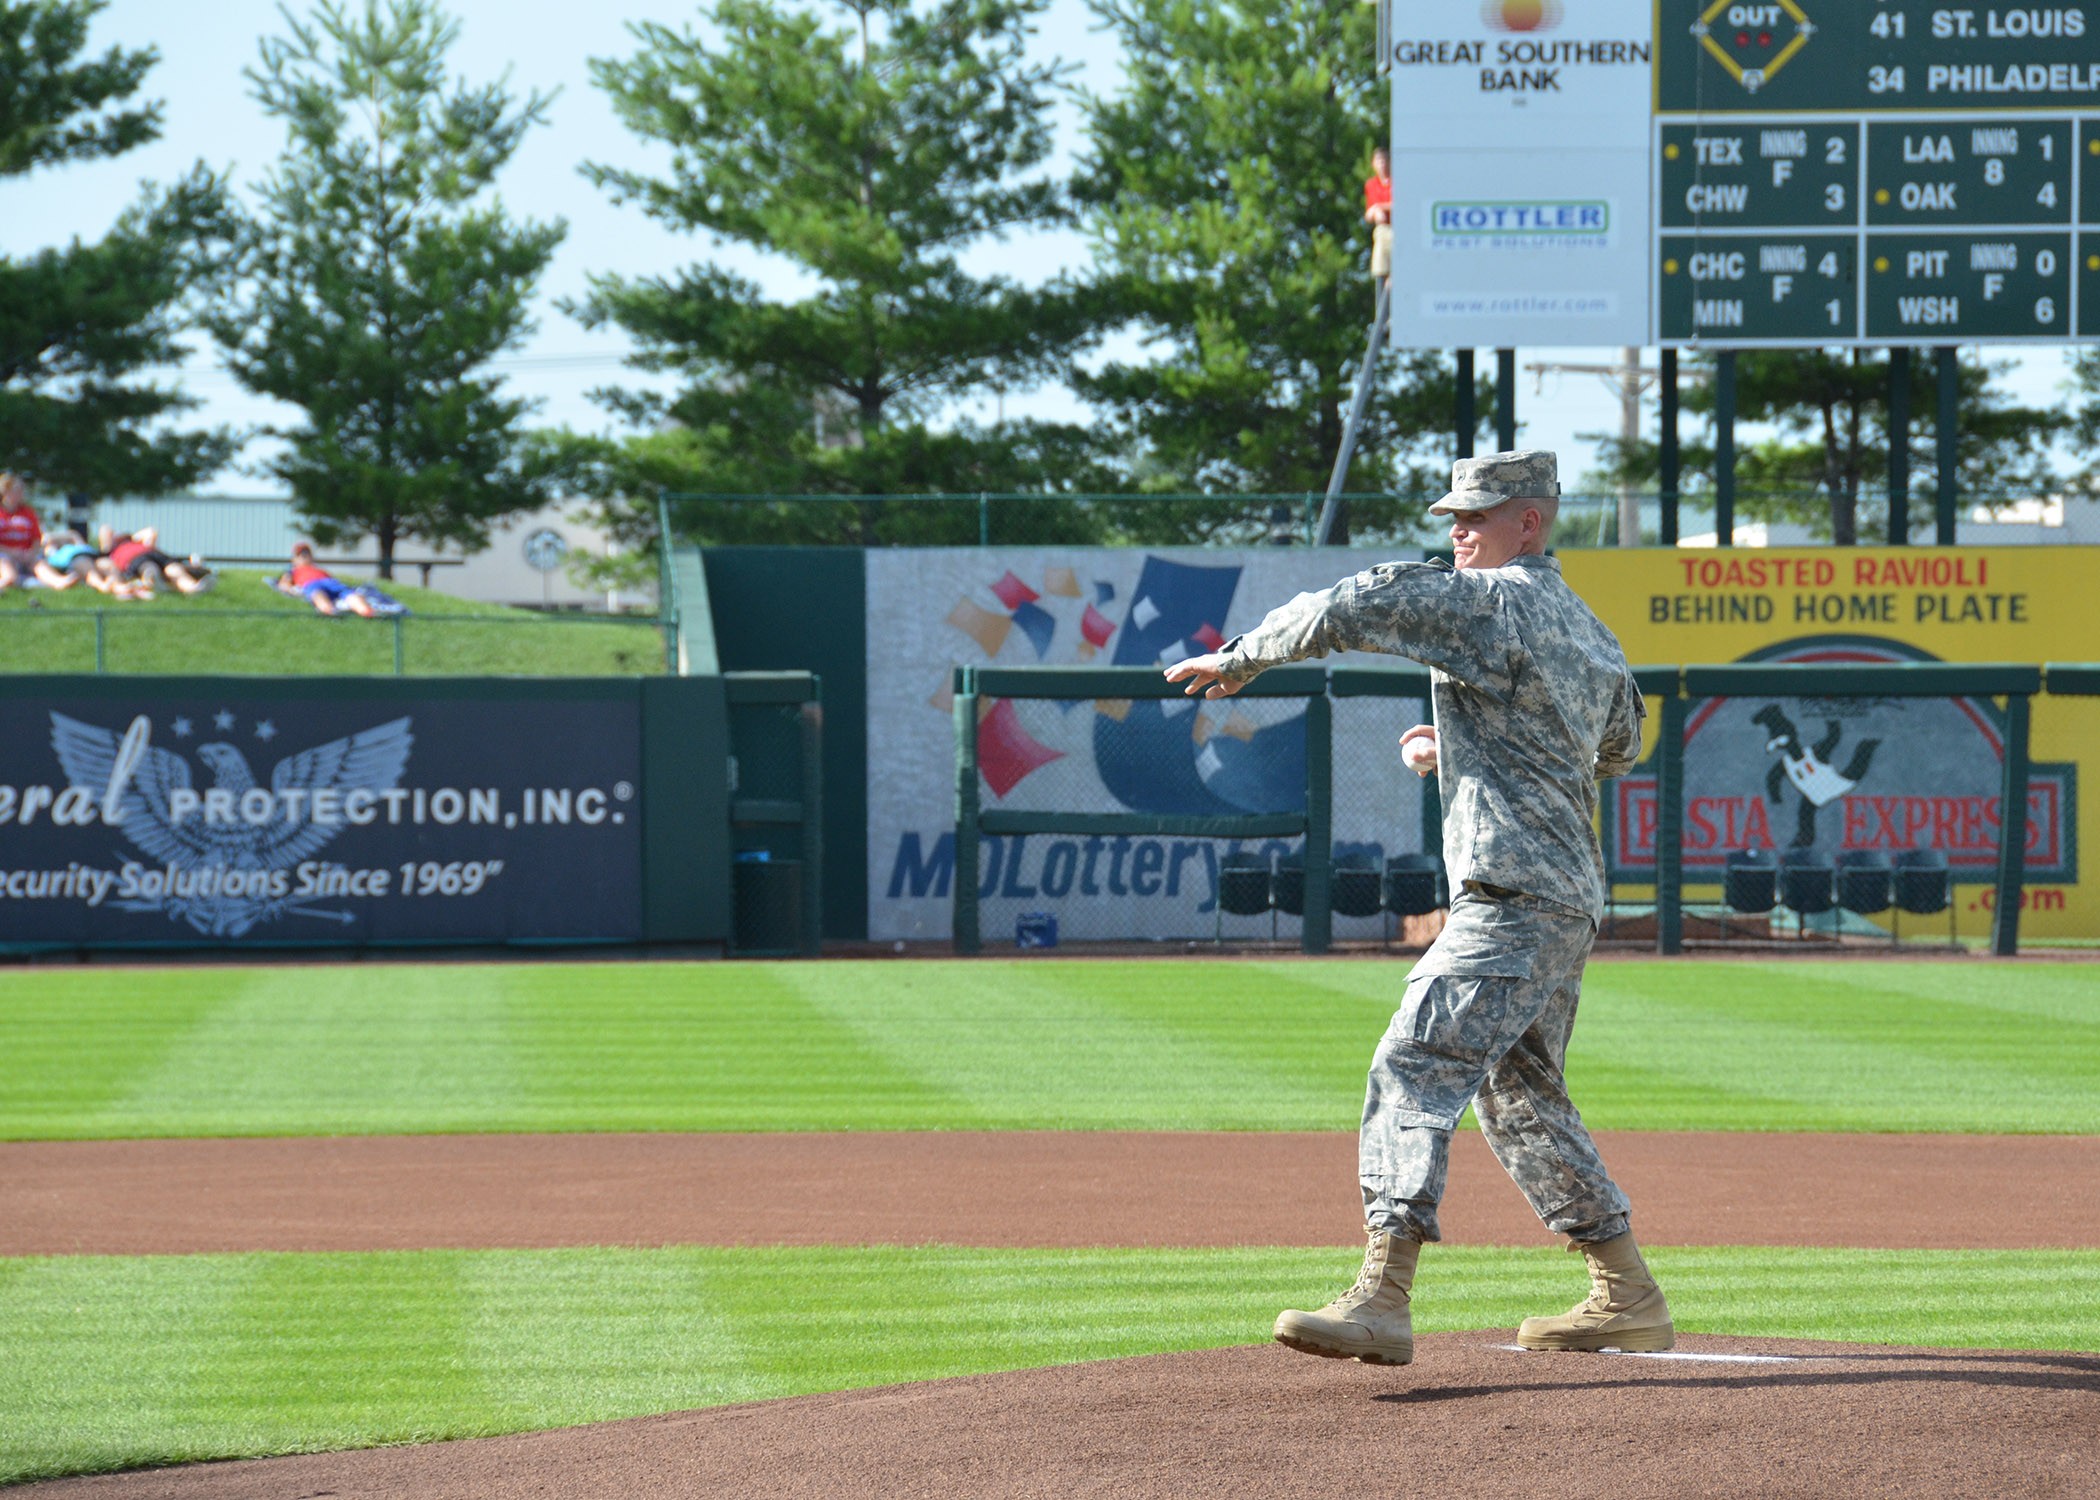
x,y
380,277
81,325
1224,184
868,144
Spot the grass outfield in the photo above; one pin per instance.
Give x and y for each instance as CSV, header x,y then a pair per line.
x,y
242,626
115,1362
122,1362
111,1051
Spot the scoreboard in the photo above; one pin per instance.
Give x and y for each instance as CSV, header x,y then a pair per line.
x,y
1579,173
1831,172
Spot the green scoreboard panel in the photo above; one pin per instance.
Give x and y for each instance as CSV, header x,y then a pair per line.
x,y
1876,172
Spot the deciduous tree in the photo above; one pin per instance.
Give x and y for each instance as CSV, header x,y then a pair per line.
x,y
1826,463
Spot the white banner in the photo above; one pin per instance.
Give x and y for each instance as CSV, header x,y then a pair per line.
x,y
1521,211
931,610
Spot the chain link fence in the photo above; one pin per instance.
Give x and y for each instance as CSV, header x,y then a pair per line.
x,y
1588,518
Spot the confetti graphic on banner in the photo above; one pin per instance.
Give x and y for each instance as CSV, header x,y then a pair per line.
x,y
1007,753
1013,593
1157,759
987,628
1153,755
1035,623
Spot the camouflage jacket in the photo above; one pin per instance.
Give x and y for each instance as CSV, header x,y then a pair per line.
x,y
1532,698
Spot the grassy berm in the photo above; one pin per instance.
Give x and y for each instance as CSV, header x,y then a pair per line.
x,y
244,626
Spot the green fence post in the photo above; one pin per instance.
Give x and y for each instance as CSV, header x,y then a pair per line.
x,y
2012,828
984,520
966,936
667,606
812,727
1319,822
101,644
1669,828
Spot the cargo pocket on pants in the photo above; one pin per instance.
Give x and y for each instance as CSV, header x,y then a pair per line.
x,y
1436,1053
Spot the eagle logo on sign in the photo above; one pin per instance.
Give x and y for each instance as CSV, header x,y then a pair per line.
x,y
1751,39
150,795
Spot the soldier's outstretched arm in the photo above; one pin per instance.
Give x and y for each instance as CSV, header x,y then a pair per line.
x,y
1424,611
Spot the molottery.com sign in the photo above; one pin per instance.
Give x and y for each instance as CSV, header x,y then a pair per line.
x,y
931,610
1886,774
202,813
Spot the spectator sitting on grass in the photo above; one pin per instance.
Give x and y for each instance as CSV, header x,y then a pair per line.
x,y
137,561
68,560
21,533
308,580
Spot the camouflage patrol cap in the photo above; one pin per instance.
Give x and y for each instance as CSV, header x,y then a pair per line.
x,y
1485,482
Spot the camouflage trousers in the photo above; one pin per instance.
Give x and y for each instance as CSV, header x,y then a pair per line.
x,y
1486,1021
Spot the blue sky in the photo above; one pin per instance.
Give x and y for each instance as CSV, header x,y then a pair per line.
x,y
205,44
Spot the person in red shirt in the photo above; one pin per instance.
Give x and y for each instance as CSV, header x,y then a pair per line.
x,y
308,580
135,564
21,533
1378,213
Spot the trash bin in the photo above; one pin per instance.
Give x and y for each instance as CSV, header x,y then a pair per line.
x,y
768,895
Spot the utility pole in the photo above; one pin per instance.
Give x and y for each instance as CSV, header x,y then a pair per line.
x,y
1629,379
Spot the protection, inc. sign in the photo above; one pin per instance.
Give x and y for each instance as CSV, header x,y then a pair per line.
x,y
318,819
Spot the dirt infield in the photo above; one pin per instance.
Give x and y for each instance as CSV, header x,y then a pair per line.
x,y
1002,1189
1472,1417
1469,1418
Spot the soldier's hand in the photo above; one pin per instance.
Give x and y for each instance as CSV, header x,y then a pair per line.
x,y
1418,749
1205,676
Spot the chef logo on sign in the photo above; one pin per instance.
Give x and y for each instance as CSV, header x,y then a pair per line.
x,y
1811,769
1753,41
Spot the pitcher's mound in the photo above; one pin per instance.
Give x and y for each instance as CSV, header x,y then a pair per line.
x,y
1471,1417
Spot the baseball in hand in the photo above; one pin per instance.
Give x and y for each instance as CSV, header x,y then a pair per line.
x,y
1418,751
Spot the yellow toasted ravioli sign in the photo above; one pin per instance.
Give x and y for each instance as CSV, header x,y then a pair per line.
x,y
1842,774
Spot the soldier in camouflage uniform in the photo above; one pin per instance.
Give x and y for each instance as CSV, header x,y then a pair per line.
x,y
1534,705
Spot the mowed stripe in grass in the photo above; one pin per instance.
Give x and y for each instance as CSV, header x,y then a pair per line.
x,y
1976,1046
115,1363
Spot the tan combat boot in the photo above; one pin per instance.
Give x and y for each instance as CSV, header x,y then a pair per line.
x,y
1625,1309
1369,1321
